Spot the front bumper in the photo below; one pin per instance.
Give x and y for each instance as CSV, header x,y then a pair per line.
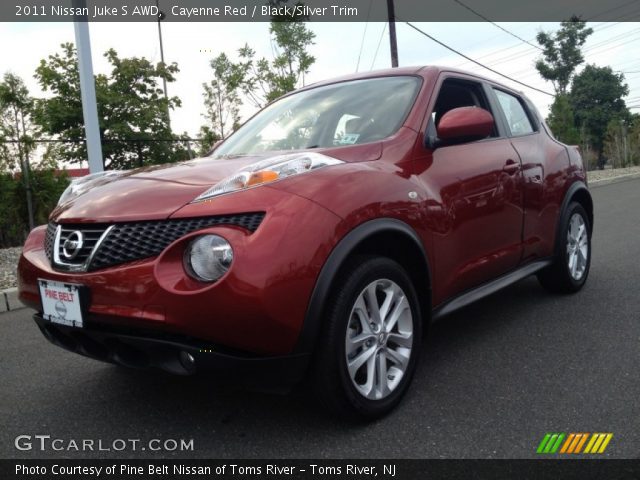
x,y
258,307
174,354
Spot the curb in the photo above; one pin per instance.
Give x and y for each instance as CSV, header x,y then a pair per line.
x,y
609,181
9,300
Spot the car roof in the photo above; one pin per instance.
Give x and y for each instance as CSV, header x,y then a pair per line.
x,y
423,71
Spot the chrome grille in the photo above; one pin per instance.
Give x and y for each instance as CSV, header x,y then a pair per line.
x,y
49,239
107,245
91,235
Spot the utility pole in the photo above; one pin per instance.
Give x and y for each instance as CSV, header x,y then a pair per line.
x,y
26,172
392,34
88,90
23,154
164,80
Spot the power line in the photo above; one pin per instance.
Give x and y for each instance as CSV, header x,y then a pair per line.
x,y
476,62
612,9
496,25
594,50
597,48
517,55
384,29
364,34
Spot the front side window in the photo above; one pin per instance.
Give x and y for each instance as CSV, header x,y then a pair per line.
x,y
517,118
456,93
347,113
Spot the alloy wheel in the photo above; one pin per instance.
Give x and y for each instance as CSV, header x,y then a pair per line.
x,y
379,339
577,246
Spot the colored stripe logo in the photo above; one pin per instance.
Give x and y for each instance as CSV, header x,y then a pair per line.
x,y
592,443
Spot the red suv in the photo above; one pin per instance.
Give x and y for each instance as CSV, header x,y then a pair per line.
x,y
322,237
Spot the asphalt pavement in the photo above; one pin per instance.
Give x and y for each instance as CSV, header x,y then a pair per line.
x,y
492,380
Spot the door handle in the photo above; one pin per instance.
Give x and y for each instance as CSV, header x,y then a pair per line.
x,y
511,167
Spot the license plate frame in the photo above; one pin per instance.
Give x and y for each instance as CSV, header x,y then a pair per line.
x,y
62,302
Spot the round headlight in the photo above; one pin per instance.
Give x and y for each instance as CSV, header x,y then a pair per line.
x,y
208,258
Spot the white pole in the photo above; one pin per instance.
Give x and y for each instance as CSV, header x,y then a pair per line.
x,y
88,93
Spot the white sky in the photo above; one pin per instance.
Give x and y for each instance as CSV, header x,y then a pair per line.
x,y
337,48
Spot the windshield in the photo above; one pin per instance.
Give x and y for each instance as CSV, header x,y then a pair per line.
x,y
346,113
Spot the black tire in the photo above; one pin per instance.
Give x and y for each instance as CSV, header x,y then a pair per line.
x,y
557,278
333,384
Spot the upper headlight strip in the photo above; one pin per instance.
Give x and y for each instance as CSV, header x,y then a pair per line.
x,y
269,170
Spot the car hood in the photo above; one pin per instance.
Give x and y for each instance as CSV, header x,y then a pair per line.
x,y
155,192
148,193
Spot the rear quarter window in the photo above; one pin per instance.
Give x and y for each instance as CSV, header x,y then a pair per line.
x,y
518,120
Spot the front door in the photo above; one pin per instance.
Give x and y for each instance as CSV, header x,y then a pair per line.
x,y
475,201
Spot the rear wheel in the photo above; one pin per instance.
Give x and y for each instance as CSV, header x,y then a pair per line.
x,y
570,269
371,340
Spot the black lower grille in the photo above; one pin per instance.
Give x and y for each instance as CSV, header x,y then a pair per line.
x,y
126,242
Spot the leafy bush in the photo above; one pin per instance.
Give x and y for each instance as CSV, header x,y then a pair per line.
x,y
12,227
46,188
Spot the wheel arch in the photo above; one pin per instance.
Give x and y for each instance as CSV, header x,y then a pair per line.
x,y
387,237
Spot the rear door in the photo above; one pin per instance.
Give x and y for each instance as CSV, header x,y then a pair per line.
x,y
544,164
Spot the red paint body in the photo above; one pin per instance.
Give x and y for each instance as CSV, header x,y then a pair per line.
x,y
480,210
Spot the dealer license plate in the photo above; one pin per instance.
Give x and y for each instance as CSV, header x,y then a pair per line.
x,y
61,302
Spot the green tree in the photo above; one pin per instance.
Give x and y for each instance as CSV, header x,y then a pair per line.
x,y
634,139
16,125
16,108
616,143
207,139
131,109
622,142
562,53
561,121
222,102
47,185
262,81
12,226
596,99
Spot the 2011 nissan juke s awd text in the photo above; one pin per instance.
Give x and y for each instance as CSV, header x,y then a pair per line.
x,y
319,240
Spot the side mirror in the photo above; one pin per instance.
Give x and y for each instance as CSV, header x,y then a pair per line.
x,y
465,124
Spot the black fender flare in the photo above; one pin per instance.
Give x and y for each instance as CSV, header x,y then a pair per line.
x,y
569,194
313,317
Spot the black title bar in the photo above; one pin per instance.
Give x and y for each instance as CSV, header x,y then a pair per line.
x,y
361,469
317,10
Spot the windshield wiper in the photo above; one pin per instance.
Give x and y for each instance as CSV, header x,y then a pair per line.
x,y
230,156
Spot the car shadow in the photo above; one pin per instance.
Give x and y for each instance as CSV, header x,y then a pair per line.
x,y
204,398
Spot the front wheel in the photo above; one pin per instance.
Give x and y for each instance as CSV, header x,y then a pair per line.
x,y
368,351
570,269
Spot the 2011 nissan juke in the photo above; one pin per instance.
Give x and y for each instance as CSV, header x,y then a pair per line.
x,y
320,239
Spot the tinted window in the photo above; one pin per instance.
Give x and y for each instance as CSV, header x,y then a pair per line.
x,y
346,113
517,118
456,93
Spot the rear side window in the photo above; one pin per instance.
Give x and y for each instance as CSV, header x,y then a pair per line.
x,y
514,112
